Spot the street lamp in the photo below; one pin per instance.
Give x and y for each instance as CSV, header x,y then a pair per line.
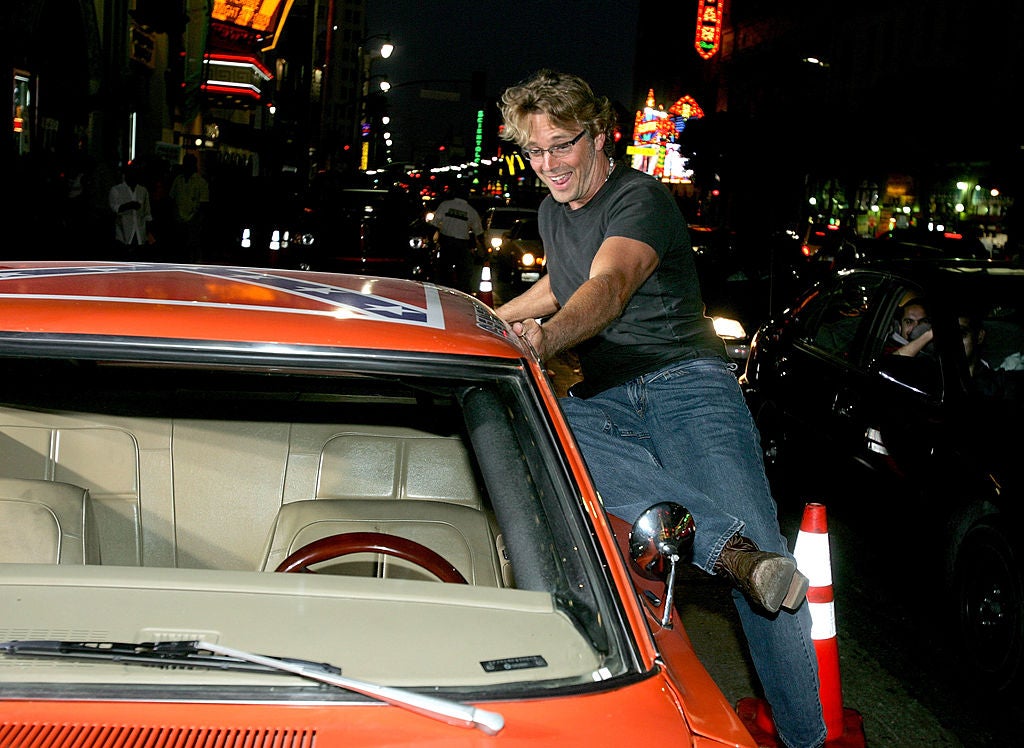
x,y
366,58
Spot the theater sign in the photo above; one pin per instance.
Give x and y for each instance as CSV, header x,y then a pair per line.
x,y
251,23
655,148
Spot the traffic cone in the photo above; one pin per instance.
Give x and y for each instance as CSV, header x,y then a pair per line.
x,y
843,727
486,292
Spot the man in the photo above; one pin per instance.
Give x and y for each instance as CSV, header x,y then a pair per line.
x,y
915,329
132,215
460,236
190,193
659,414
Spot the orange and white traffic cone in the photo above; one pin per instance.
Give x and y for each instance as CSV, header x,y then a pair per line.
x,y
844,727
486,292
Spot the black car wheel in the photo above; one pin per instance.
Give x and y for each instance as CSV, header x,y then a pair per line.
x,y
788,474
989,596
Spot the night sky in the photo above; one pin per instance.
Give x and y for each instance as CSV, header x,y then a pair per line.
x,y
448,40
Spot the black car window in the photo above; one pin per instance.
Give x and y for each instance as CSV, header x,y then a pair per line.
x,y
834,321
526,229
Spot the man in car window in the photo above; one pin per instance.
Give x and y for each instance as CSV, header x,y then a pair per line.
x,y
460,236
985,380
914,331
659,414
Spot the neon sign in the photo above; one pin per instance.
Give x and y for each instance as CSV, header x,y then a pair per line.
x,y
655,148
237,75
261,21
709,27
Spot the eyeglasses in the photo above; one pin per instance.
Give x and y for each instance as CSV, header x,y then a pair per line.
x,y
557,151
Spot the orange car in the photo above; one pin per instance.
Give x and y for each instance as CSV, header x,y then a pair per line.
x,y
253,507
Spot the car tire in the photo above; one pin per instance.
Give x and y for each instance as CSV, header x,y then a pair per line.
x,y
782,472
989,596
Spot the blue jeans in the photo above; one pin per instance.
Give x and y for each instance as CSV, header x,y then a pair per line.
x,y
684,433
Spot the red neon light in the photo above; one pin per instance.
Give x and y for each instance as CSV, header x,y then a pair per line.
x,y
709,27
244,59
687,107
231,90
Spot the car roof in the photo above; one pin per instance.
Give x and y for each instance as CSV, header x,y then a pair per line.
x,y
509,213
960,283
232,304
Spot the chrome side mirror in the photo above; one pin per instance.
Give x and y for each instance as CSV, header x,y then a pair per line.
x,y
658,540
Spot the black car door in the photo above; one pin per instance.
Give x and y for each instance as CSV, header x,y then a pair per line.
x,y
822,376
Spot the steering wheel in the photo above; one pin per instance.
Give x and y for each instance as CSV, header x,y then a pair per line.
x,y
335,546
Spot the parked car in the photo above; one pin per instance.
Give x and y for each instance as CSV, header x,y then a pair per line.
x,y
741,279
501,218
819,234
927,454
953,244
518,261
259,218
364,230
272,506
862,251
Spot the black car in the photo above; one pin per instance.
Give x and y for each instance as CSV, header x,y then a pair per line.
x,y
955,244
744,277
925,453
861,251
259,218
518,261
361,230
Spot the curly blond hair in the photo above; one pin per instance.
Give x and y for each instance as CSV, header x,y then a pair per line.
x,y
566,99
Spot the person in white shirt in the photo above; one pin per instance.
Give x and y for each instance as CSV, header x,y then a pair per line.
x,y
460,234
129,200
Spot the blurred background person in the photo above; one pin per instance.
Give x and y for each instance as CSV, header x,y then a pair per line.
x,y
190,193
129,200
460,239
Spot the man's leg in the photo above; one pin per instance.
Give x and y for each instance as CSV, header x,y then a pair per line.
x,y
698,417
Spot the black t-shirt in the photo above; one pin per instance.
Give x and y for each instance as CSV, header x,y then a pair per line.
x,y
664,321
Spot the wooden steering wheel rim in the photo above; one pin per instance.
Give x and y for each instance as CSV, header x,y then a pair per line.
x,y
343,544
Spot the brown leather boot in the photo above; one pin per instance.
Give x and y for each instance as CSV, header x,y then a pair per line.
x,y
770,580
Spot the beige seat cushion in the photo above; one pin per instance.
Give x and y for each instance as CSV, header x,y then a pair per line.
x,y
387,466
463,536
46,522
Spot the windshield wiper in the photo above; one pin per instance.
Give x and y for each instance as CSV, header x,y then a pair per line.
x,y
169,653
191,653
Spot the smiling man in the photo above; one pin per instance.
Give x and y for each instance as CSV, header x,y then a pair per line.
x,y
659,414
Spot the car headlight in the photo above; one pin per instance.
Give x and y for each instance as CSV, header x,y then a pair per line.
x,y
728,328
496,242
528,260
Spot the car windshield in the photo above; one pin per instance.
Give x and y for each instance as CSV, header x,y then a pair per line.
x,y
506,219
527,229
188,485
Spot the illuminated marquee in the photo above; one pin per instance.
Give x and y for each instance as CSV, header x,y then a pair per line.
x,y
258,22
655,149
235,75
709,27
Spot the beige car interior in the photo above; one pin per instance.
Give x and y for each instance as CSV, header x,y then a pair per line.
x,y
180,523
235,495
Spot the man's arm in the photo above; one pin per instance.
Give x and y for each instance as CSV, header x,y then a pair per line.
x,y
535,302
620,267
916,345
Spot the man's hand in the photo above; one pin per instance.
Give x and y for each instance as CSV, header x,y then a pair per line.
x,y
533,335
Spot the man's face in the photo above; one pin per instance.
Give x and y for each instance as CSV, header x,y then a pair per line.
x,y
574,177
972,337
913,315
